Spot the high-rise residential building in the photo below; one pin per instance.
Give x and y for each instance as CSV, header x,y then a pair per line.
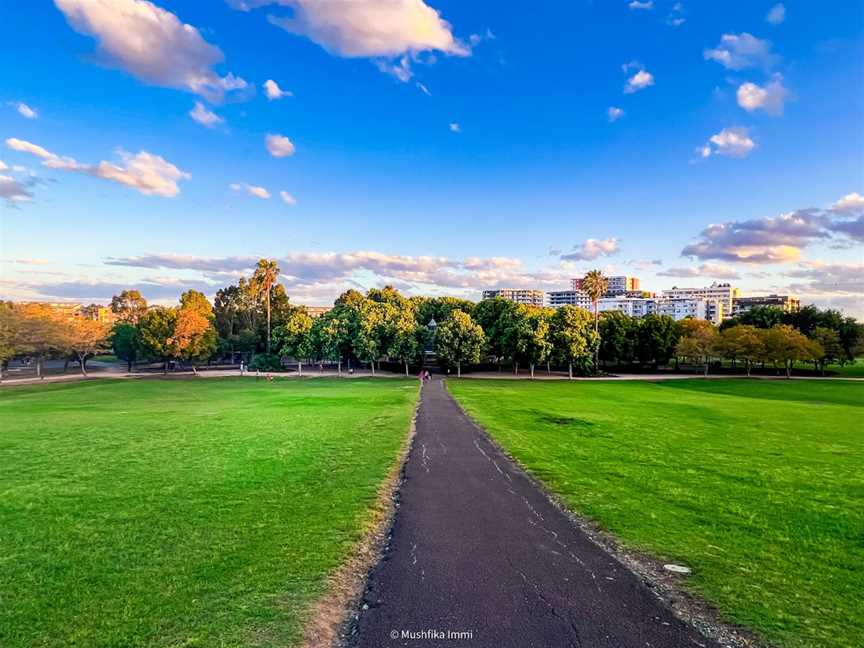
x,y
786,303
684,307
518,295
722,294
558,298
617,285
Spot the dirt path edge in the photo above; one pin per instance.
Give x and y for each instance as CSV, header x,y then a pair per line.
x,y
332,616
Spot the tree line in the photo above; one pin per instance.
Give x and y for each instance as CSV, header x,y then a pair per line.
x,y
254,320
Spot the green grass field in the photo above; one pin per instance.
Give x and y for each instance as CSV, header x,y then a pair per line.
x,y
757,485
183,512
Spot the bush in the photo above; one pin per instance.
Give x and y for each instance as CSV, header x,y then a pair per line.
x,y
266,362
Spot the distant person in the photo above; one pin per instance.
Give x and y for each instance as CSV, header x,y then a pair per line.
x,y
242,368
257,374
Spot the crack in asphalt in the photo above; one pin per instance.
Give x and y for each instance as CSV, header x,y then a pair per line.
x,y
485,571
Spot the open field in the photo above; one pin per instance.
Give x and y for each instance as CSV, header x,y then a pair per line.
x,y
184,513
757,485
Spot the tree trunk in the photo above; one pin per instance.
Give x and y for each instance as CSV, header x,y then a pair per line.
x,y
531,365
299,368
788,368
82,361
340,366
706,369
66,365
372,364
39,368
165,367
570,370
549,368
268,321
128,366
516,368
406,369
749,368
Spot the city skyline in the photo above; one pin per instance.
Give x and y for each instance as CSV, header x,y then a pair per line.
x,y
440,148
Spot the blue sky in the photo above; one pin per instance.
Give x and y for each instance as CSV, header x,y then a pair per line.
x,y
441,146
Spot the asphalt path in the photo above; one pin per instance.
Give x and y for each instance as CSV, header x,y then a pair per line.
x,y
479,557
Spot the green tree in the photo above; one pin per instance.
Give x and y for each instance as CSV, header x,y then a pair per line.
x,y
156,329
367,343
266,274
294,337
657,338
829,341
124,340
492,315
459,341
573,338
405,337
619,334
129,306
763,317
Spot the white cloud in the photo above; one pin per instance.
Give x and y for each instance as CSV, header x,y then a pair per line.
x,y
204,116
675,18
273,91
24,110
149,174
365,28
287,198
3,166
400,69
777,14
642,79
732,142
252,190
424,89
852,204
770,97
614,114
151,44
279,145
455,127
592,249
647,5
737,52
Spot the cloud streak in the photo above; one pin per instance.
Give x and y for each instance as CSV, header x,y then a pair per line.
x,y
148,174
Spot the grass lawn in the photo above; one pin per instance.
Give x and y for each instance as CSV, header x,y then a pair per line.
x,y
757,485
184,512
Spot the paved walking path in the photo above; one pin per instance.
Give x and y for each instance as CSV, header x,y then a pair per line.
x,y
477,548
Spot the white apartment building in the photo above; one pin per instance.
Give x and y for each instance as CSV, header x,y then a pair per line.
x,y
721,294
559,298
682,308
633,306
520,296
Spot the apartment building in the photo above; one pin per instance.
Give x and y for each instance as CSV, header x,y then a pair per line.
x,y
634,307
682,308
786,303
721,296
520,296
558,298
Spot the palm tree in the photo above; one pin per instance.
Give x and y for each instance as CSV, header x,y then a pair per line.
x,y
266,274
595,285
